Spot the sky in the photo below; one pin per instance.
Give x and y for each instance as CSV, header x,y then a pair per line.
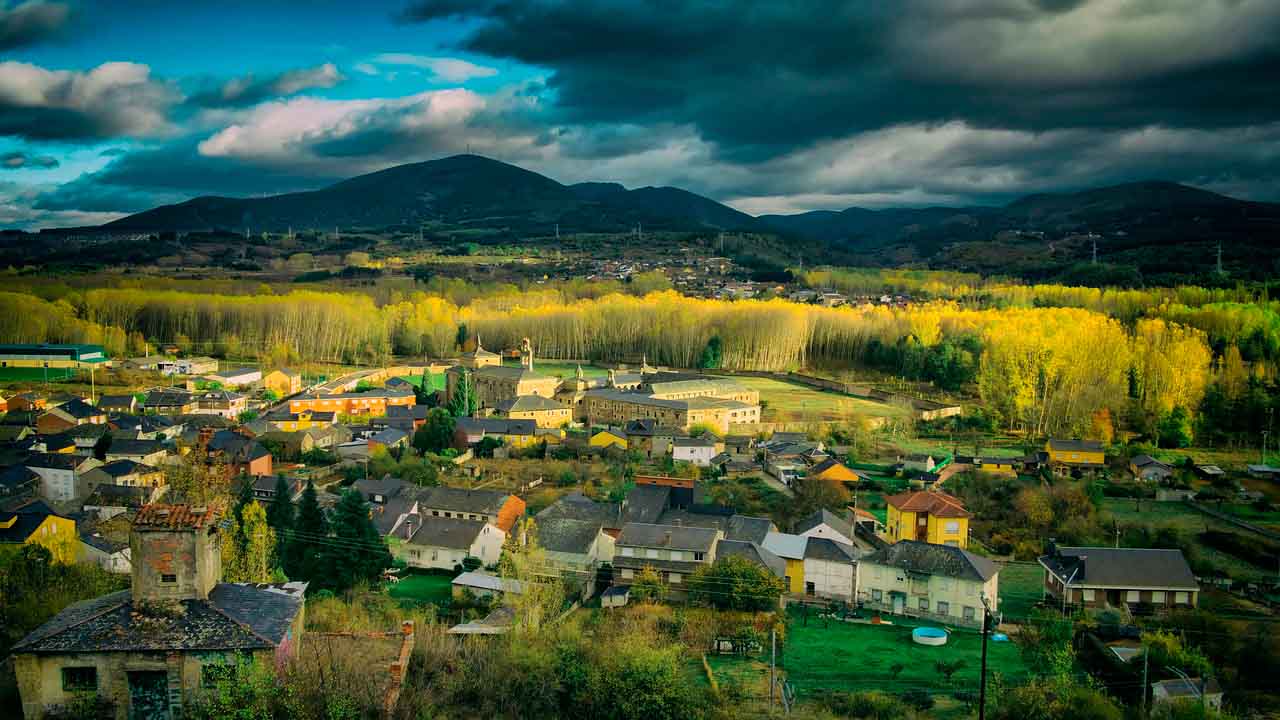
x,y
108,108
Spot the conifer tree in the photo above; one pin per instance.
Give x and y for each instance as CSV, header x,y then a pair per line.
x,y
306,539
280,518
356,551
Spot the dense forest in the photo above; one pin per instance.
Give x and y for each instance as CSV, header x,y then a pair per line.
x,y
1046,359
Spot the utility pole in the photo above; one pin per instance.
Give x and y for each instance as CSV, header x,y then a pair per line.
x,y
1095,251
982,680
557,232
1145,656
773,663
1220,258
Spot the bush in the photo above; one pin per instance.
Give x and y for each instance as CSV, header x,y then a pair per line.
x,y
917,698
872,705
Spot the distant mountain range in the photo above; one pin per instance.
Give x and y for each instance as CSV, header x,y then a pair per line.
x,y
1157,226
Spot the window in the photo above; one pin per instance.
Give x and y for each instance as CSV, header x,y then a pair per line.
x,y
168,578
1181,598
677,555
627,574
953,527
80,679
877,595
1132,596
1157,597
626,552
697,556
1088,594
214,673
652,552
673,578
944,608
924,604
970,613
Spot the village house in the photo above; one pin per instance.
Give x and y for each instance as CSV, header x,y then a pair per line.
x,y
283,382
544,412
35,523
62,357
468,431
483,586
1192,691
605,439
187,366
791,549
576,506
240,455
408,418
109,553
1149,469
68,415
107,501
223,403
1067,456
235,377
443,543
170,401
991,465
696,406
17,482
373,402
27,402
933,582
698,451
128,473
918,462
1101,577
833,470
500,508
580,545
146,650
145,452
61,474
829,569
930,516
826,524
647,436
674,552
112,404
388,439
305,420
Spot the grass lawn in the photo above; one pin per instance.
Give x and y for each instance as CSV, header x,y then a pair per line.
x,y
854,657
423,588
785,400
1021,587
1181,517
436,380
26,374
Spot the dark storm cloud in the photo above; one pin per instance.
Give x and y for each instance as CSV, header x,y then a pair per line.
x,y
114,99
250,89
19,160
30,22
760,77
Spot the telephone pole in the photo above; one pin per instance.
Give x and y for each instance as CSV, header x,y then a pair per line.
x,y
982,681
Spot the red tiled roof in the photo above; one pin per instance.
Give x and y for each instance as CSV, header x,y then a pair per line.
x,y
938,504
177,517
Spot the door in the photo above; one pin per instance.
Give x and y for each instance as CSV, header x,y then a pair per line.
x,y
149,695
809,588
899,604
922,528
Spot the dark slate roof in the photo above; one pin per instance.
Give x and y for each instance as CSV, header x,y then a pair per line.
x,y
236,446
79,409
91,537
87,430
568,536
27,517
577,506
120,468
116,401
529,403
1075,445
453,533
645,503
168,398
1121,567
58,461
135,447
944,560
481,502
57,443
753,552
495,426
1144,460
385,486
16,477
829,550
235,617
387,515
828,518
416,412
390,436
668,536
127,496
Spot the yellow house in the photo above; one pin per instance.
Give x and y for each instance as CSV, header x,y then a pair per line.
x,y
1075,454
606,438
283,382
544,412
303,420
834,470
994,465
927,516
36,523
791,549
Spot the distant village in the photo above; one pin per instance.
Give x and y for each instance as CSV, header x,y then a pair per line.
x,y
87,478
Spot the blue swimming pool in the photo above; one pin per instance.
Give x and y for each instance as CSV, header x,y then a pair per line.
x,y
929,636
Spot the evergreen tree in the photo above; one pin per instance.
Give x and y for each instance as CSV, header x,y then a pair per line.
x,y
436,432
248,548
463,401
712,354
280,518
357,551
305,541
